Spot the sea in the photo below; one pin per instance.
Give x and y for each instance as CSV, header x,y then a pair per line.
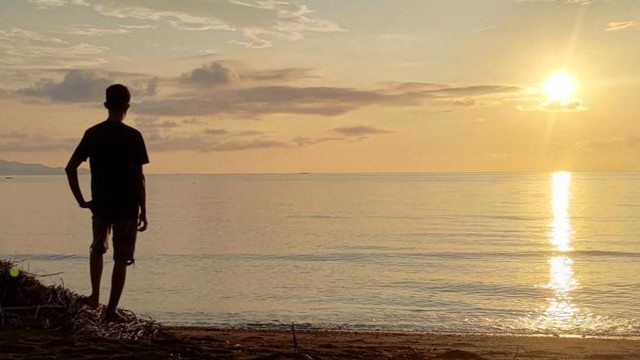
x,y
542,253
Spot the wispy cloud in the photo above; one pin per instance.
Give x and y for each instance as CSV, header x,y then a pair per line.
x,y
259,23
21,49
207,142
279,75
134,27
625,144
619,25
327,101
464,102
394,87
90,30
577,2
307,141
216,131
16,141
475,90
165,135
555,106
360,130
46,3
169,135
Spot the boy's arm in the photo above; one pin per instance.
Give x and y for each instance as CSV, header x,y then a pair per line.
x,y
72,177
142,200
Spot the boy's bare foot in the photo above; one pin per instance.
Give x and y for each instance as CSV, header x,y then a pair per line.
x,y
114,318
90,301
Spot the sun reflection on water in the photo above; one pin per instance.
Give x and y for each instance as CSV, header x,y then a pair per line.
x,y
561,313
561,227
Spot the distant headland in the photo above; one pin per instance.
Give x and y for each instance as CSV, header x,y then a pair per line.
x,y
8,168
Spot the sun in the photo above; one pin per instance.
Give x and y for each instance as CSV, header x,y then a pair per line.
x,y
559,87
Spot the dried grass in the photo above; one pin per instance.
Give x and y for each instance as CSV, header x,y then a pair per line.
x,y
26,303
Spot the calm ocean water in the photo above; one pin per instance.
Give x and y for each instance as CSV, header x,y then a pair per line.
x,y
538,253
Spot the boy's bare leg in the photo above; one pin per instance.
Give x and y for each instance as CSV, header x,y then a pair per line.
x,y
118,278
96,263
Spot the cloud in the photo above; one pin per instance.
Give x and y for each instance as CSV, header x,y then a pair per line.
x,y
619,25
77,86
577,2
21,49
216,131
207,90
247,145
476,90
218,74
245,99
253,39
395,86
213,74
24,142
629,144
163,135
464,102
46,3
458,96
279,75
306,141
138,26
360,130
89,30
193,121
260,23
151,87
166,135
154,123
206,143
327,101
244,133
178,16
572,105
154,128
249,133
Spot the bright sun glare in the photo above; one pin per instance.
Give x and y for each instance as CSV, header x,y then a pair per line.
x,y
559,87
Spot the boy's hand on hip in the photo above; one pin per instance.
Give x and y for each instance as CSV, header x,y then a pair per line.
x,y
142,222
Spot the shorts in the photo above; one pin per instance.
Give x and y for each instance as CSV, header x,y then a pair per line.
x,y
124,238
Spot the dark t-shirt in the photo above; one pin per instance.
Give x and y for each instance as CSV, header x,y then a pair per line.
x,y
115,150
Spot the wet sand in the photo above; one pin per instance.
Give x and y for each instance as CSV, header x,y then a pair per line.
x,y
213,343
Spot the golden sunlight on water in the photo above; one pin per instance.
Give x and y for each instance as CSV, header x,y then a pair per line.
x,y
561,313
560,226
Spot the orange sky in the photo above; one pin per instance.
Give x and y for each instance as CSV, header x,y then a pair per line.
x,y
328,86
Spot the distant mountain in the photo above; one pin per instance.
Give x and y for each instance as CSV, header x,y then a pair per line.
x,y
18,168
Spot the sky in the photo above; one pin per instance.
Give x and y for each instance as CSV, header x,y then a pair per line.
x,y
329,86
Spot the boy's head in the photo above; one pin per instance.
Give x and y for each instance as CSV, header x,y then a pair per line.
x,y
118,98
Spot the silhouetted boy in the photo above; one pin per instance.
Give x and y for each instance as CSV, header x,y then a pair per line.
x,y
116,154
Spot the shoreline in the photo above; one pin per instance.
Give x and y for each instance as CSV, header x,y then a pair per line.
x,y
201,342
307,328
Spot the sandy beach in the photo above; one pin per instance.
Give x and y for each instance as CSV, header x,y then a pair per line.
x,y
214,343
